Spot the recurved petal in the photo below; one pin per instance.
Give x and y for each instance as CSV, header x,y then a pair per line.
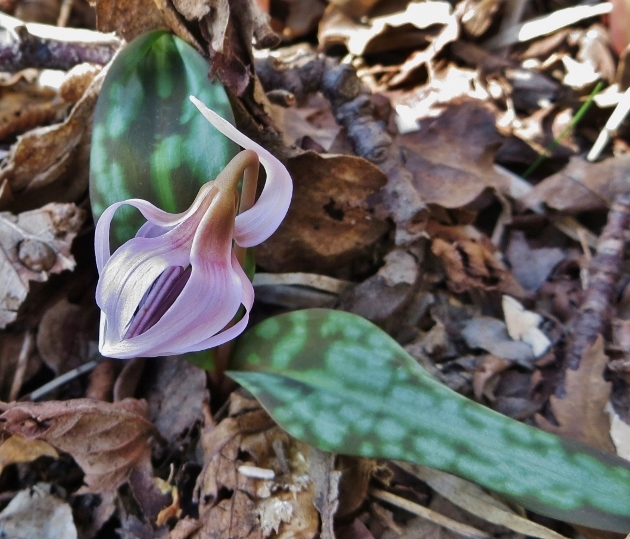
x,y
258,223
247,300
158,221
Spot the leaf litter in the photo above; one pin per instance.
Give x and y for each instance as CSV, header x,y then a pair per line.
x,y
408,133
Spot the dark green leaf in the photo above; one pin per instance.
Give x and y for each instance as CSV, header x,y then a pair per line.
x,y
339,383
149,141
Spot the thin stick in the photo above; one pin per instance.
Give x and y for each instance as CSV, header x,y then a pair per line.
x,y
60,380
428,514
22,364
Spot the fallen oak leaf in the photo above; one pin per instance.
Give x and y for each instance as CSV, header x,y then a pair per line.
x,y
33,245
470,260
582,414
108,441
16,449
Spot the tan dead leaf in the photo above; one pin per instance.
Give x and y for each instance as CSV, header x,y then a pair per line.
x,y
108,441
35,512
77,81
51,163
489,367
33,245
619,433
21,110
581,414
452,156
326,484
476,501
61,330
302,17
471,260
240,449
19,449
522,325
313,119
391,30
329,223
128,18
582,186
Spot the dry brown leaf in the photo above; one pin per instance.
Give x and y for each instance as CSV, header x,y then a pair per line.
x,y
302,17
329,223
51,163
489,367
470,260
326,484
19,449
61,330
251,508
175,391
108,441
581,414
33,245
582,186
128,18
35,512
390,31
452,156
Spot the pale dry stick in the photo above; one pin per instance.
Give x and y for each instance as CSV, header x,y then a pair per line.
x,y
42,46
514,10
64,13
616,119
473,499
60,381
22,364
428,514
547,24
310,280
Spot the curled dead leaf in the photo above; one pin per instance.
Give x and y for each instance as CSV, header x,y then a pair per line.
x,y
329,223
470,261
33,245
108,441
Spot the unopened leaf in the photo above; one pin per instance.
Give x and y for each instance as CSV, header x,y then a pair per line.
x,y
336,381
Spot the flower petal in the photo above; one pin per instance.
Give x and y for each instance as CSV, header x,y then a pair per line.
x,y
258,223
156,219
247,301
211,296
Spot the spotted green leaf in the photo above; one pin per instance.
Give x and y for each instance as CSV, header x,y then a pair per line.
x,y
339,383
149,141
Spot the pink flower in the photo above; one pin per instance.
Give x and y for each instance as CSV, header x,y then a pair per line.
x,y
177,285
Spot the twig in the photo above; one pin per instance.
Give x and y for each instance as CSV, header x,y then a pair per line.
x,y
22,364
428,514
616,119
60,381
25,45
547,24
306,72
605,269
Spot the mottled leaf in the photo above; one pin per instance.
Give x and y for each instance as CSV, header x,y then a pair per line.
x,y
149,141
336,381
